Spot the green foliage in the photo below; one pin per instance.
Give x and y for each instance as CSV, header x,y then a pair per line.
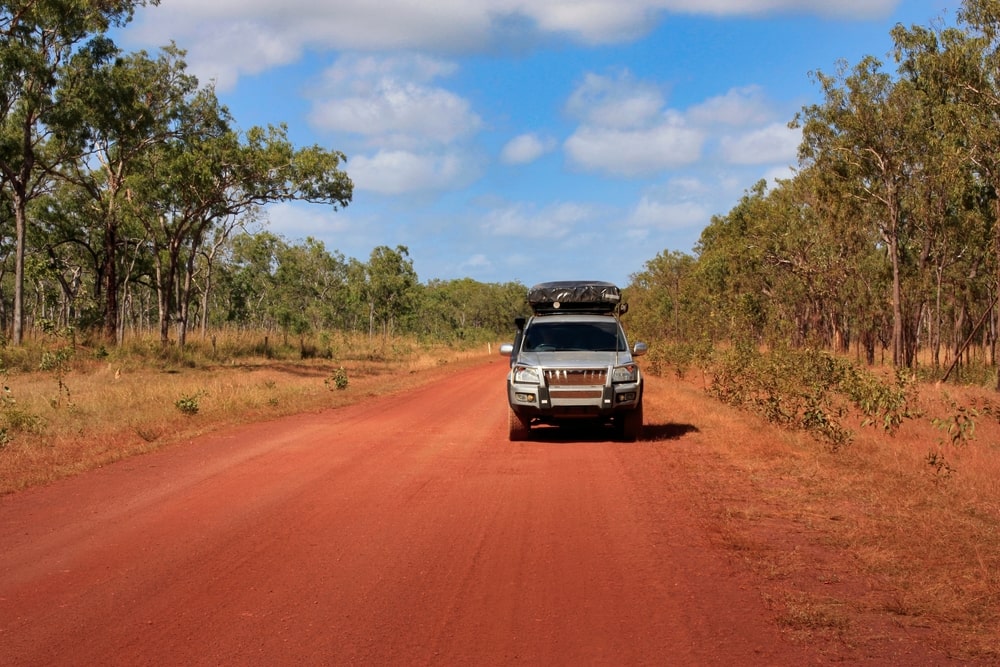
x,y
809,390
883,404
56,358
338,380
189,405
960,425
680,357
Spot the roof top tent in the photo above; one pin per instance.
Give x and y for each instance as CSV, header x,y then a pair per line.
x,y
576,296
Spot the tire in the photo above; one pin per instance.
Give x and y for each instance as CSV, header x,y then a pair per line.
x,y
518,429
631,424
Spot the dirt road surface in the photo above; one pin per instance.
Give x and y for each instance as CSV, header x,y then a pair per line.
x,y
405,530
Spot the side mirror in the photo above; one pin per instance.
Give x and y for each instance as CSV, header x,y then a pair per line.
x,y
640,349
507,349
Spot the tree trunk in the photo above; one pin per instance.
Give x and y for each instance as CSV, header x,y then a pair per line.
x,y
204,300
21,224
110,274
996,250
897,299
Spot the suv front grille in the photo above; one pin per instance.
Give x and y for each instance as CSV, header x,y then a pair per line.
x,y
575,377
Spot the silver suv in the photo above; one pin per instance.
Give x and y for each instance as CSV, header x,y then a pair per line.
x,y
570,361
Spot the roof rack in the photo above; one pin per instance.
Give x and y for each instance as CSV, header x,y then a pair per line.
x,y
576,296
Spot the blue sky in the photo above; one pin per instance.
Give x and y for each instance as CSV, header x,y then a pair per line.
x,y
527,140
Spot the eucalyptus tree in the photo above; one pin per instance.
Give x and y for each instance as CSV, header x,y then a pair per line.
x,y
504,302
211,173
389,288
42,41
863,132
467,310
247,278
831,272
958,169
309,287
661,297
126,109
211,254
970,58
731,268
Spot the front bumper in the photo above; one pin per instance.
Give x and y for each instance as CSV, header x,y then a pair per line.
x,y
545,403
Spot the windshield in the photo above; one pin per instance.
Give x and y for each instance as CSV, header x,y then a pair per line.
x,y
554,336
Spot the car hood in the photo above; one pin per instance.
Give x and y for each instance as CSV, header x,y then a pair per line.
x,y
574,359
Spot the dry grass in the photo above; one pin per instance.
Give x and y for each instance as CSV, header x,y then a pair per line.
x,y
95,411
869,541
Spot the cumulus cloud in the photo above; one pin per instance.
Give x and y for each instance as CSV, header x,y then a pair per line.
x,y
668,215
626,129
526,148
477,262
402,172
229,38
523,221
739,107
392,102
635,152
396,106
773,143
616,101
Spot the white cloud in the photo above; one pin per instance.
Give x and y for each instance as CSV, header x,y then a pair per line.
x,y
229,38
774,143
526,148
554,222
404,172
593,22
618,101
477,262
627,129
668,215
672,143
389,102
738,107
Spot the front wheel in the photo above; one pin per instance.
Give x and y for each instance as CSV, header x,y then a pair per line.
x,y
631,424
518,428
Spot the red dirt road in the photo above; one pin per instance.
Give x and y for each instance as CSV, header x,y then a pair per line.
x,y
405,530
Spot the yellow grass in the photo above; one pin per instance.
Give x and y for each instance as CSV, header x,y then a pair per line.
x,y
99,410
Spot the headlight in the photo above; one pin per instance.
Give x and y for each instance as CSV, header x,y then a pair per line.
x,y
527,375
629,373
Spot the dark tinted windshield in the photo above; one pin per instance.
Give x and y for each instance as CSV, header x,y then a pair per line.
x,y
551,336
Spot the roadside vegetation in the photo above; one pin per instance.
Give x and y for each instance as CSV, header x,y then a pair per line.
x,y
896,533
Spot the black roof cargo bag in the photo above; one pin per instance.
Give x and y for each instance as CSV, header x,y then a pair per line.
x,y
574,296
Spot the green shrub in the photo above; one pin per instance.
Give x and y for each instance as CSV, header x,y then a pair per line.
x,y
338,380
189,405
809,390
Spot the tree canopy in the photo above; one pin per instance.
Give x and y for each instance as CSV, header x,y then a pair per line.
x,y
886,238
